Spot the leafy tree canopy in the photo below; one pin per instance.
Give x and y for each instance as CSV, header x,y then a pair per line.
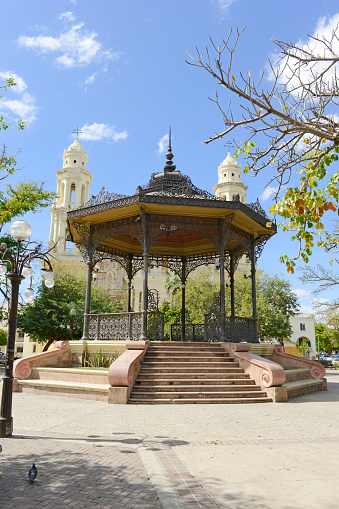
x,y
46,318
289,128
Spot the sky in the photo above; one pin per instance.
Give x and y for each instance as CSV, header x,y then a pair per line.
x,y
116,70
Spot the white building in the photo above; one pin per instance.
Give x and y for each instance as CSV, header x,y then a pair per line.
x,y
303,327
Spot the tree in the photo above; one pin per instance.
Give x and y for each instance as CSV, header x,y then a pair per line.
x,y
3,337
295,123
47,317
275,302
327,338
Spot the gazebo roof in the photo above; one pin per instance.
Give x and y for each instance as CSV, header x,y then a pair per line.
x,y
184,216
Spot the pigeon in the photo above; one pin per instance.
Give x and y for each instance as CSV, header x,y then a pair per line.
x,y
32,473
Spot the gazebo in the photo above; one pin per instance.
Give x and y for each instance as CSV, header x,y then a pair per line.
x,y
172,223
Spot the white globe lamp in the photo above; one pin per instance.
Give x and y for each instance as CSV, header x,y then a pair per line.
x,y
20,230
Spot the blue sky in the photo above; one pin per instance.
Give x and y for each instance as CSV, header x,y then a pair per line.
x,y
116,69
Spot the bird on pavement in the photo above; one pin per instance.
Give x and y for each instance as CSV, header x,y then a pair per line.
x,y
32,473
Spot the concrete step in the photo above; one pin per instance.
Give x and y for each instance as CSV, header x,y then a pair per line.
x,y
187,364
184,375
91,376
195,388
96,392
301,387
186,355
293,375
189,381
180,348
189,369
223,401
201,393
192,359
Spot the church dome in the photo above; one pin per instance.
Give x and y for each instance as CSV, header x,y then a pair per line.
x,y
76,147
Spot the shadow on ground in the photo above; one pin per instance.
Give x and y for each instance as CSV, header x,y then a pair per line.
x,y
73,473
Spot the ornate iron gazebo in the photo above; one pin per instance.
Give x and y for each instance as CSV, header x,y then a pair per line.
x,y
172,223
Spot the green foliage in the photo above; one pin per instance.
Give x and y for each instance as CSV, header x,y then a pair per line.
x,y
3,337
99,360
275,302
47,317
25,197
328,337
303,347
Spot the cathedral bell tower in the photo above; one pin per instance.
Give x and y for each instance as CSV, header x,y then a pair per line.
x,y
73,184
229,186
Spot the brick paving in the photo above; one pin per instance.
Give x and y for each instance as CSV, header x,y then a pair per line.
x,y
73,475
89,455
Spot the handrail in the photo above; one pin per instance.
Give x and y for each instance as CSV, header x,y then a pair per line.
x,y
123,371
317,369
22,367
272,374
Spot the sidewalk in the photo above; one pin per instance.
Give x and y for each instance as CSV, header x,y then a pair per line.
x,y
94,455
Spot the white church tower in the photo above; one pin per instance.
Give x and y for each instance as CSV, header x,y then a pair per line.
x,y
229,186
73,184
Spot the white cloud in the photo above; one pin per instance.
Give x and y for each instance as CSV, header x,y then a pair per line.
x,y
162,144
268,193
97,132
301,293
306,310
68,16
324,30
17,101
223,5
75,46
90,79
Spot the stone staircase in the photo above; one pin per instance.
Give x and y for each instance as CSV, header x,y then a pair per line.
x,y
299,382
183,372
79,383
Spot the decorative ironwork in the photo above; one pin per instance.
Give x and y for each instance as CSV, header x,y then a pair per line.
x,y
102,197
259,245
193,332
177,198
155,326
125,326
237,329
153,300
257,208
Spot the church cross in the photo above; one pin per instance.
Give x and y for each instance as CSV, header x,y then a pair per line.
x,y
76,131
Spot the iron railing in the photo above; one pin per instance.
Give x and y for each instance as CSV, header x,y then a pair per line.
x,y
125,326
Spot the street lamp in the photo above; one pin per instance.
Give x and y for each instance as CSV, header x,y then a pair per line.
x,y
73,312
18,260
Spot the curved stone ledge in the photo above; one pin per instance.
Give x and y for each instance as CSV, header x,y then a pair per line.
x,y
264,371
317,370
123,370
61,352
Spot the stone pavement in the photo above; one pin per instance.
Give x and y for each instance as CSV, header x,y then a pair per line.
x,y
94,455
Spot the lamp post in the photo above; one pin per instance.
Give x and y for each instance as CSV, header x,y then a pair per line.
x,y
73,312
19,262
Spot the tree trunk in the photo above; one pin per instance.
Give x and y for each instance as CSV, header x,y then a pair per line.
x,y
48,344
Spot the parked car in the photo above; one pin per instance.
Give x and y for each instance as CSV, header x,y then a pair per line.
x,y
326,359
2,358
335,358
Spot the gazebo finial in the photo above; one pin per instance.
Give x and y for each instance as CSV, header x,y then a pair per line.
x,y
169,156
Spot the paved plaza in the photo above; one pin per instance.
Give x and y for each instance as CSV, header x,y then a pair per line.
x,y
94,455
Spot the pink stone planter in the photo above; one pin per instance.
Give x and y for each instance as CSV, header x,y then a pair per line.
x,y
61,356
